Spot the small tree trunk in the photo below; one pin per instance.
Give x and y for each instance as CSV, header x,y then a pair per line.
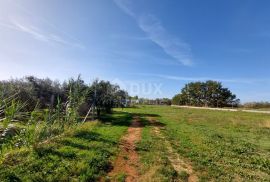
x,y
98,112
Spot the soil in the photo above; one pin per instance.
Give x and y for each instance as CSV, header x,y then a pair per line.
x,y
127,161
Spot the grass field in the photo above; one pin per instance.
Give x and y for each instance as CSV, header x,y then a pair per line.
x,y
221,146
175,144
81,154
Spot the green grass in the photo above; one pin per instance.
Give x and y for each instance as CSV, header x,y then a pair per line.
x,y
153,156
83,153
223,146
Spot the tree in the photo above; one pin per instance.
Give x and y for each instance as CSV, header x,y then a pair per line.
x,y
121,98
75,96
33,90
208,94
179,99
104,96
45,91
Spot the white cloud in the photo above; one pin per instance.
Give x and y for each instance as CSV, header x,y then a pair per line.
x,y
13,16
33,31
41,35
192,79
156,32
125,5
172,46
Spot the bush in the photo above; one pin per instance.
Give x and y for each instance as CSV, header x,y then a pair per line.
x,y
257,105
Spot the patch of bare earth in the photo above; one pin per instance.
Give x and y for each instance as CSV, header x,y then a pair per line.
x,y
127,161
178,163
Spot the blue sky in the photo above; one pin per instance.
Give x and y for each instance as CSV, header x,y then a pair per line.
x,y
142,45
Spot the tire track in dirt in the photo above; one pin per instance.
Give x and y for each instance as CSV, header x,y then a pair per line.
x,y
127,161
176,161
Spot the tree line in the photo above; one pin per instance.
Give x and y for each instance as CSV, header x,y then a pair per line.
x,y
256,105
145,101
47,108
207,94
46,93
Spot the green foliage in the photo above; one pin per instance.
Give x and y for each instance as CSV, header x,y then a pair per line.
x,y
32,90
56,109
32,144
45,92
121,177
105,96
210,93
257,105
81,153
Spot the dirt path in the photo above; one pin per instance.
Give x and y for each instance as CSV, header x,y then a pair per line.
x,y
178,163
127,161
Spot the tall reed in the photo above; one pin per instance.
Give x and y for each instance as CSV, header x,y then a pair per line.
x,y
40,125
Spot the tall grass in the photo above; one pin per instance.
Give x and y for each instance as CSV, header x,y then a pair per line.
x,y
20,128
9,112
